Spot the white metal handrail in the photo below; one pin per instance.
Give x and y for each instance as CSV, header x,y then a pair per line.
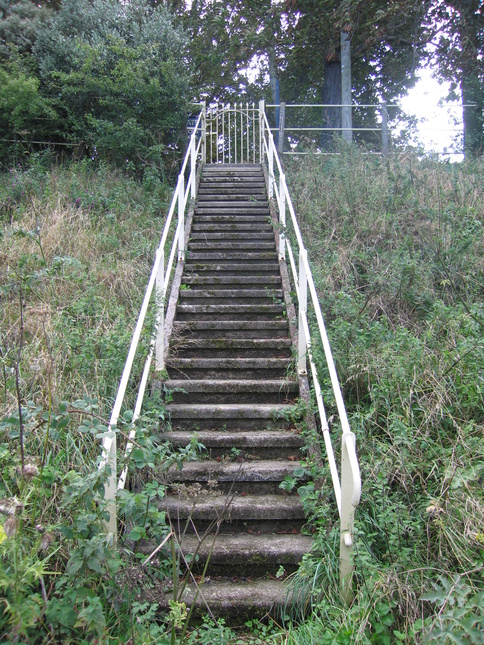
x,y
158,282
257,141
347,489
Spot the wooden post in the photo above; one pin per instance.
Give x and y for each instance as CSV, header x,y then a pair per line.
x,y
346,116
282,123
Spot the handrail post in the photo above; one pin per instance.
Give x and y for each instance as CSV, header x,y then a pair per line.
x,y
204,132
261,130
349,488
271,166
160,297
193,167
181,218
282,217
303,307
111,525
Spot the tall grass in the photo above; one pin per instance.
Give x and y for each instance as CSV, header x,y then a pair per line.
x,y
396,247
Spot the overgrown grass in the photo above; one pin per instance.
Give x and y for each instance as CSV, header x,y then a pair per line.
x,y
396,248
77,245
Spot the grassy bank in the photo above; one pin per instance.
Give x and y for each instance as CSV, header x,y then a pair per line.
x,y
396,248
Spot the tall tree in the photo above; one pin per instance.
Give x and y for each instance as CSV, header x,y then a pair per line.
x,y
117,73
458,30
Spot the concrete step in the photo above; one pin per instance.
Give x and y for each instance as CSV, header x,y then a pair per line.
x,y
207,246
202,226
186,312
221,472
241,205
227,509
230,196
237,600
231,218
219,189
224,281
248,444
230,296
232,256
233,391
255,209
260,554
250,416
232,347
223,236
228,368
232,328
225,268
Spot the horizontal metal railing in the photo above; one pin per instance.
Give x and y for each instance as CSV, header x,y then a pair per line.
x,y
158,282
347,489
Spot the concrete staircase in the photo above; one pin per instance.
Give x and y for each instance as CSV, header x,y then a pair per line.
x,y
231,380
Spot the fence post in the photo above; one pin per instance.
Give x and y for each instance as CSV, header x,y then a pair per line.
x,y
282,217
348,504
282,123
303,307
384,129
181,217
160,299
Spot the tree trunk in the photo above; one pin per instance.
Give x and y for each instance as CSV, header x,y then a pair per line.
x,y
470,83
274,81
331,95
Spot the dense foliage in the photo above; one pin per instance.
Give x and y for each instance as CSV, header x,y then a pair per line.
x,y
111,78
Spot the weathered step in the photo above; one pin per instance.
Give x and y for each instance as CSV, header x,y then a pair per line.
x,y
233,347
218,189
226,245
231,204
258,554
234,296
222,281
228,368
228,509
229,218
230,415
202,226
254,209
229,312
230,444
237,391
232,328
223,236
230,196
231,256
221,472
231,268
236,600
